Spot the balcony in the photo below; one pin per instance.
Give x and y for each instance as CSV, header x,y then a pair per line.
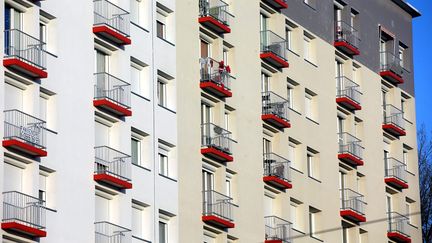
x,y
106,232
391,68
215,16
24,133
112,167
24,54
398,228
346,39
275,110
273,49
277,4
112,94
277,230
277,171
111,22
23,214
353,206
217,209
216,143
348,94
394,122
396,174
350,149
215,77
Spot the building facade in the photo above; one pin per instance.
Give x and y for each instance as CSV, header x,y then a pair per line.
x,y
208,121
306,115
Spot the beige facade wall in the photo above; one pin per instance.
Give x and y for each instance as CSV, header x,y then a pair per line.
x,y
317,135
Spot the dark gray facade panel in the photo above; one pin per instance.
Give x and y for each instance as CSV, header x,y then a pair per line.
x,y
372,14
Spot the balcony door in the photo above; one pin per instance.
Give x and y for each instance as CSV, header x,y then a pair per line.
x,y
12,20
102,209
267,146
102,134
208,188
101,62
263,22
205,49
265,82
14,97
342,182
13,178
268,206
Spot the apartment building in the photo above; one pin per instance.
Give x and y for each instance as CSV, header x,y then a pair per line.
x,y
90,134
306,114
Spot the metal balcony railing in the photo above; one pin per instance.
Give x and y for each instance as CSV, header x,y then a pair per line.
x,y
394,116
396,169
25,48
107,13
273,104
352,200
25,128
217,9
398,223
112,162
271,42
346,33
113,89
213,136
216,72
217,204
277,229
23,209
348,144
106,232
390,62
348,88
275,165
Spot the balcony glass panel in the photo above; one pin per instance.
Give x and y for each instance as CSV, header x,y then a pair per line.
x,y
113,89
390,62
273,43
273,104
217,9
216,72
277,229
348,88
112,162
350,144
217,204
353,201
106,232
396,169
346,33
275,165
213,136
394,116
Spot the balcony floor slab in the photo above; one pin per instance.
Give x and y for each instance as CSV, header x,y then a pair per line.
x,y
24,147
25,68
23,229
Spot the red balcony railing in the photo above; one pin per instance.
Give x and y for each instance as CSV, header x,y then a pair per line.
x,y
112,94
277,171
277,4
353,206
395,174
24,54
216,142
398,228
24,133
275,110
391,68
111,22
106,232
215,77
277,230
273,49
112,167
23,214
394,122
350,149
215,16
217,209
346,38
348,94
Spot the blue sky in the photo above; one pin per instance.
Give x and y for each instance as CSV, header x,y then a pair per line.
x,y
422,61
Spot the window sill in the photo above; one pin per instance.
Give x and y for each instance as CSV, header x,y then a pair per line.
x,y
315,238
51,54
311,63
141,167
309,6
168,109
411,173
299,231
140,239
170,43
310,119
296,170
295,111
315,179
416,227
140,96
167,177
293,52
139,26
409,121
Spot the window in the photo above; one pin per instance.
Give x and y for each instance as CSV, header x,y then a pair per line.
x,y
162,18
102,207
163,165
406,159
139,78
13,177
410,211
205,49
312,163
160,27
161,92
13,97
101,62
292,92
13,18
401,53
137,12
288,38
293,154
42,187
267,146
43,32
227,120
228,186
263,22
313,222
138,220
310,105
163,232
306,47
265,82
206,113
290,96
136,150
296,214
46,108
